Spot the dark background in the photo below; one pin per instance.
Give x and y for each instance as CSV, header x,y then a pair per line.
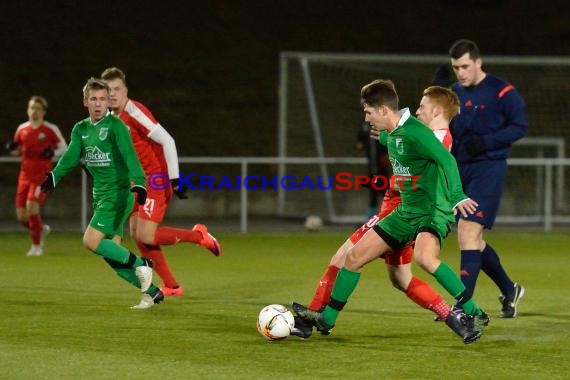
x,y
208,70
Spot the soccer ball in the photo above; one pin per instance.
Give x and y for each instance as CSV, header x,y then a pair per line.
x,y
313,223
275,322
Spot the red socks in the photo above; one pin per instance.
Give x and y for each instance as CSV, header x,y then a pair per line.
x,y
171,235
423,294
323,293
35,225
167,236
159,264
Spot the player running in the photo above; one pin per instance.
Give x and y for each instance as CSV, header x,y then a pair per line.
x,y
102,141
157,153
37,141
424,214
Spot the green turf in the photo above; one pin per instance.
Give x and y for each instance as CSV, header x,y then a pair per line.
x,y
66,316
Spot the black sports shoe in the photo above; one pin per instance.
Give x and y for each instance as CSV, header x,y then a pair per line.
x,y
460,324
454,308
158,297
482,320
510,303
302,329
311,317
478,322
475,326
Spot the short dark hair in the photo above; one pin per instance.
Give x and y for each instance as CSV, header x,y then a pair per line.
x,y
460,47
380,92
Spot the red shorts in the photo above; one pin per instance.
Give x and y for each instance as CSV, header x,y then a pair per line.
x,y
401,256
29,191
155,206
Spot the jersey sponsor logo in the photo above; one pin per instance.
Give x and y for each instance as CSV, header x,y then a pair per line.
x,y
95,157
398,168
103,132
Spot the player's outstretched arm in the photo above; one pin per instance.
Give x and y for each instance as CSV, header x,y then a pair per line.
x,y
162,137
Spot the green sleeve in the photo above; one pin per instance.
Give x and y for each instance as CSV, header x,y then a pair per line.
x,y
429,146
125,144
70,158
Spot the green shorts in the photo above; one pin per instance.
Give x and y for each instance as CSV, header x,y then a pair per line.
x,y
111,213
399,228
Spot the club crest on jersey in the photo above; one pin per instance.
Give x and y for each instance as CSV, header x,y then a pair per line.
x,y
103,132
41,136
399,146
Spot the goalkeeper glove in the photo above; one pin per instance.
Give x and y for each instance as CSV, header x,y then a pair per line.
x,y
48,153
178,189
141,194
49,183
476,145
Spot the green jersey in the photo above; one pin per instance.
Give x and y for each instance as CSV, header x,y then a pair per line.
x,y
107,151
424,171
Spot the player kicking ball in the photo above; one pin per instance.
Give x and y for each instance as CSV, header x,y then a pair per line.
x,y
424,216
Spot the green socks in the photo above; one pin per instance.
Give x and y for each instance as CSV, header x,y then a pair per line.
x,y
115,252
121,260
344,285
450,282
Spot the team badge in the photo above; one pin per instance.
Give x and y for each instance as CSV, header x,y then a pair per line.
x,y
41,136
399,146
103,132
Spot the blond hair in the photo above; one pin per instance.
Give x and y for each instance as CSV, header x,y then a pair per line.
x,y
94,84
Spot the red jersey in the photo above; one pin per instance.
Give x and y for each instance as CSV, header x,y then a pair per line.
x,y
32,143
444,135
142,123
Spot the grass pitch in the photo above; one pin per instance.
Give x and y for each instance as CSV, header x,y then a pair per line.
x,y
66,315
